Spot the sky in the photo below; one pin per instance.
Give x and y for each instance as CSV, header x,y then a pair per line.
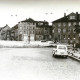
x,y
14,11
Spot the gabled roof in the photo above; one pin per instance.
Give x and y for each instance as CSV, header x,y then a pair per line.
x,y
28,20
42,21
66,18
16,26
31,20
4,27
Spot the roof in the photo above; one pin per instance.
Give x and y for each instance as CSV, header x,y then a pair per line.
x,y
66,18
28,20
41,21
4,27
31,20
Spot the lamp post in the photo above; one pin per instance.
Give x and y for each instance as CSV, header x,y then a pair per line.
x,y
79,38
74,43
68,40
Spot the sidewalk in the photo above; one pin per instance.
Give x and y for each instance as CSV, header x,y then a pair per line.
x,y
20,44
75,55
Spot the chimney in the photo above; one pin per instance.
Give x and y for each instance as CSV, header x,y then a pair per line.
x,y
64,14
77,15
76,12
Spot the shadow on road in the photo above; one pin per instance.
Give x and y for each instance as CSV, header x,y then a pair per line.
x,y
60,57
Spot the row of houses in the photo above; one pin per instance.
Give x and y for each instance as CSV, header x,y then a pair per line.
x,y
62,30
29,30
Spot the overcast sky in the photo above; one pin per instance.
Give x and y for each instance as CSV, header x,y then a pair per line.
x,y
13,11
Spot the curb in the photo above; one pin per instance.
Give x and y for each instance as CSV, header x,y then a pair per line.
x,y
75,58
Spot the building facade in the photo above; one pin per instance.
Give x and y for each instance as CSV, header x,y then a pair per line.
x,y
14,33
43,31
26,30
64,28
30,30
3,32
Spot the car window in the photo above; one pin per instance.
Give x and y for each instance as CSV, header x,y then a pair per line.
x,y
61,47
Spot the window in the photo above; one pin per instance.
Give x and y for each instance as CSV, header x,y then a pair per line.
x,y
64,30
69,30
74,30
64,24
69,36
20,27
62,47
40,23
45,28
33,28
59,37
79,23
33,32
74,23
74,36
24,32
59,30
64,36
33,23
53,30
59,24
39,32
69,24
24,27
20,32
72,17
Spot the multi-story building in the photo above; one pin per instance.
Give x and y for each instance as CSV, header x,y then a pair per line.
x,y
64,28
8,34
14,33
3,32
26,30
43,30
31,30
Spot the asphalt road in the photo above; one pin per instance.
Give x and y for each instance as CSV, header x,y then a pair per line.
x,y
36,64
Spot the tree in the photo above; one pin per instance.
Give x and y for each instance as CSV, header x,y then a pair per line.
x,y
77,29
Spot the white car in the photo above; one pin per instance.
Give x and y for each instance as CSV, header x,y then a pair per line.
x,y
49,44
61,50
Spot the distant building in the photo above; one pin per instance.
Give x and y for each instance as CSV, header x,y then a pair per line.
x,y
8,34
64,28
26,30
3,32
31,30
14,33
43,31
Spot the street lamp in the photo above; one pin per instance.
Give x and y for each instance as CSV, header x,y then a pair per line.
x,y
79,38
69,40
74,43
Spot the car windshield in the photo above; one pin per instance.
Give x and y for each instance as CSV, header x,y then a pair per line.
x,y
62,47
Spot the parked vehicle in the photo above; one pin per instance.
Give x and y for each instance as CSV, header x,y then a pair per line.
x,y
49,44
61,50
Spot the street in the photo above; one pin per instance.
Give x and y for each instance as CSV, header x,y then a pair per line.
x,y
36,64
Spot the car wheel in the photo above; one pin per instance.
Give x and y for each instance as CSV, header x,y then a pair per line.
x,y
53,54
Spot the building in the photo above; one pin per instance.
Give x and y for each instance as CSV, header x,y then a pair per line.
x,y
8,34
43,31
64,28
26,30
3,32
31,30
14,33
